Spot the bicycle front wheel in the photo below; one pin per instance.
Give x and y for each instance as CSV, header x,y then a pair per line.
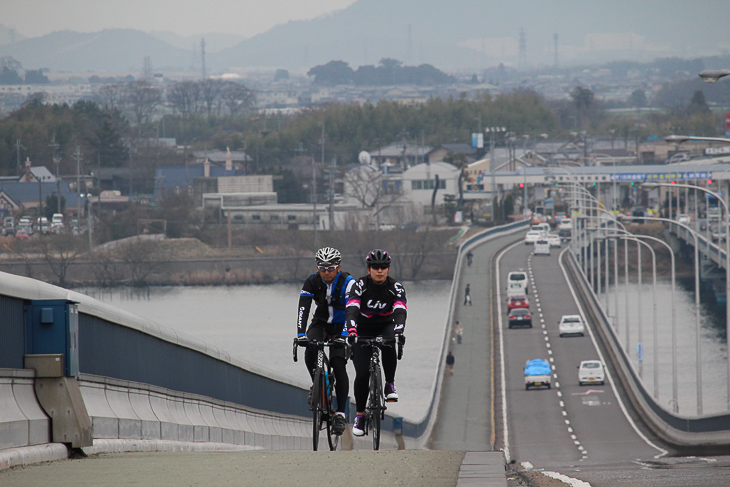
x,y
332,438
376,406
317,391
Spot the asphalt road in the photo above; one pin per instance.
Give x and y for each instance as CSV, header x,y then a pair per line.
x,y
580,432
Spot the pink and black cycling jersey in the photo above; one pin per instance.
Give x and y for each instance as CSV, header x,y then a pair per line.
x,y
373,305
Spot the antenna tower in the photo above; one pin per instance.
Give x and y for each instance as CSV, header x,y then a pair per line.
x,y
523,50
202,56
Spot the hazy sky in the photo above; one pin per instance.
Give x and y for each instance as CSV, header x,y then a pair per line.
x,y
33,18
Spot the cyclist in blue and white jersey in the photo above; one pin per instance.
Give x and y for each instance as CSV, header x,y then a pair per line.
x,y
328,288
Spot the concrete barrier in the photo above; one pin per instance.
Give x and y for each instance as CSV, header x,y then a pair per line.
x,y
22,420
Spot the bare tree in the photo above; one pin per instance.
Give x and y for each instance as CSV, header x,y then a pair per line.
x,y
143,257
59,252
237,98
371,188
210,90
141,100
185,97
110,96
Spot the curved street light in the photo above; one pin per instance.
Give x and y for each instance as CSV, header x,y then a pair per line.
x,y
712,75
652,185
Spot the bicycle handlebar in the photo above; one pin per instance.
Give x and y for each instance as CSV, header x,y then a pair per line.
x,y
399,340
304,341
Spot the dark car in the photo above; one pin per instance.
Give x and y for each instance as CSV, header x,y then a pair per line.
x,y
520,317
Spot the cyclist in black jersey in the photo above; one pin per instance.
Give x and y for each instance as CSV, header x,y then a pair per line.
x,y
376,306
328,288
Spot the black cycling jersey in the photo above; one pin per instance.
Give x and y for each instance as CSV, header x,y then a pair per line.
x,y
374,305
330,300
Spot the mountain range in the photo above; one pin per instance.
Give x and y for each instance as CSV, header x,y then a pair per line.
x,y
458,35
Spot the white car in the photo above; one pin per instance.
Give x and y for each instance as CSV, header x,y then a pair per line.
x,y
571,325
565,224
518,277
542,247
554,239
516,288
684,219
532,236
591,372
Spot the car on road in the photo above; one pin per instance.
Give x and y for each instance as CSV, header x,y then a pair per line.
x,y
532,236
517,301
519,276
22,234
591,372
684,219
565,224
542,247
520,317
554,240
516,287
718,233
571,325
537,373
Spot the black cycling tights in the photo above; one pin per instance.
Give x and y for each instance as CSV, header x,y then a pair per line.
x,y
337,360
361,360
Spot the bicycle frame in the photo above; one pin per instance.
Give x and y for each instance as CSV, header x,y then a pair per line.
x,y
323,386
375,408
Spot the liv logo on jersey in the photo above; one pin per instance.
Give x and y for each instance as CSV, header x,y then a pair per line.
x,y
376,304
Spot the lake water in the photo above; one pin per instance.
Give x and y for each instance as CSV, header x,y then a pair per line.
x,y
256,324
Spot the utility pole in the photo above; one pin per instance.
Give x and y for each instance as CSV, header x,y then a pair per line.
x,y
333,168
492,131
56,160
77,156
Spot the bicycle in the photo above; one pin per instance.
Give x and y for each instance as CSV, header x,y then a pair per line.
x,y
323,392
375,408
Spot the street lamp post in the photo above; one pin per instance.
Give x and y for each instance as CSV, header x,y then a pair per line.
x,y
727,265
698,379
492,131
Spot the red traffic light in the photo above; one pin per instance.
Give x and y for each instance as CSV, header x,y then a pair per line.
x,y
673,182
709,181
522,185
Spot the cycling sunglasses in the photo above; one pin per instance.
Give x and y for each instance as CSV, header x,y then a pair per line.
x,y
327,268
380,267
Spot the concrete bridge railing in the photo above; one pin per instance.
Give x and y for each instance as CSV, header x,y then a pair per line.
x,y
145,386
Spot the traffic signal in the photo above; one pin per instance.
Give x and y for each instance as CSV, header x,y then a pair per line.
x,y
522,185
709,181
673,182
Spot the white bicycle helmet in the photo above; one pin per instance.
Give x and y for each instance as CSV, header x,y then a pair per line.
x,y
328,256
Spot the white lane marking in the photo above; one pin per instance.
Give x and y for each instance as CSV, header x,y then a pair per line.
x,y
661,451
503,378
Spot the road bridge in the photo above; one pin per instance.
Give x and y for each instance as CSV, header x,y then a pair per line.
x,y
185,415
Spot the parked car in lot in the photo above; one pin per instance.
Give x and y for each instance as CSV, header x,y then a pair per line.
x,y
542,247
554,240
517,301
520,317
571,325
591,372
537,373
532,236
519,276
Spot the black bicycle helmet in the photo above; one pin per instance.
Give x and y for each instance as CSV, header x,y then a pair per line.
x,y
328,256
378,257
